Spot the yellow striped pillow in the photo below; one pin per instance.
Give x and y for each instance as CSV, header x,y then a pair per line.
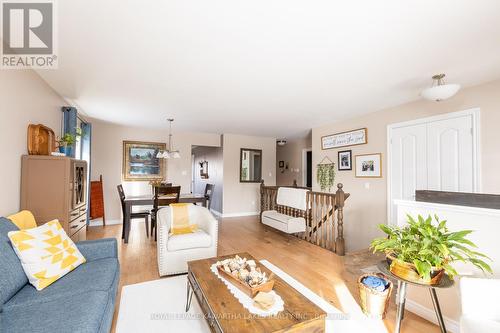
x,y
46,253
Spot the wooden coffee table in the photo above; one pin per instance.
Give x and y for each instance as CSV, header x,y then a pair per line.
x,y
224,313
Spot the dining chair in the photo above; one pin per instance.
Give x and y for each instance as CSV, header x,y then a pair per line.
x,y
164,195
209,191
156,185
133,215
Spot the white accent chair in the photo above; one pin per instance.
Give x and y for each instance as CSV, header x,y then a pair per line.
x,y
290,197
480,310
174,251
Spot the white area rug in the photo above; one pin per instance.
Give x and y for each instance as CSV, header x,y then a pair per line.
x,y
158,306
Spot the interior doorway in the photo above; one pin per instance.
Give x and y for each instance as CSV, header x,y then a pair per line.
x,y
307,167
207,169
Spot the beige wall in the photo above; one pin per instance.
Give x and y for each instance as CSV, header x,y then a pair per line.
x,y
366,208
244,198
291,153
24,99
214,156
107,141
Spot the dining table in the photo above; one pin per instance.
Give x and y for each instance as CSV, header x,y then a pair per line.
x,y
148,200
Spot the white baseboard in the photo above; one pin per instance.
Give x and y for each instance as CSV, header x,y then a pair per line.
x,y
216,213
429,314
240,214
98,222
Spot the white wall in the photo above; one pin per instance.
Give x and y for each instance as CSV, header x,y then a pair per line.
x,y
24,99
107,147
244,198
214,156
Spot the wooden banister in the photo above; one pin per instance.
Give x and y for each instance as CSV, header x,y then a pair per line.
x,y
324,215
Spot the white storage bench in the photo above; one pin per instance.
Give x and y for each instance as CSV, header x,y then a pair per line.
x,y
290,197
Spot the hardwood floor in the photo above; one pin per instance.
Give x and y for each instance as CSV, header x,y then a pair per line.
x,y
320,270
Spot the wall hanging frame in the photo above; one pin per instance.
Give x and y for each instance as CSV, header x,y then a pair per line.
x,y
344,160
140,161
343,139
368,165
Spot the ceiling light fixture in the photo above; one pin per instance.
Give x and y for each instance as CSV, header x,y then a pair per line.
x,y
281,142
440,90
169,153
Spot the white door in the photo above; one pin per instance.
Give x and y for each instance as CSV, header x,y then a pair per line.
x,y
432,154
409,162
451,155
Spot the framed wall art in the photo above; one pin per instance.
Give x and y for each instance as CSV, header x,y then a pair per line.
x,y
350,138
345,160
368,165
140,162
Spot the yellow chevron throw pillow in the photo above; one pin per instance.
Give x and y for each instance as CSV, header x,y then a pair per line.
x,y
46,253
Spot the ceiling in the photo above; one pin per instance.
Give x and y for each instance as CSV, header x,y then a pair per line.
x,y
272,68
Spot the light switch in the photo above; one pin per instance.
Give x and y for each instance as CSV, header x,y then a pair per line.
x,y
184,172
367,186
270,174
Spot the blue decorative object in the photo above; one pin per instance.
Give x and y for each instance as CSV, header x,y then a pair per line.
x,y
62,149
375,283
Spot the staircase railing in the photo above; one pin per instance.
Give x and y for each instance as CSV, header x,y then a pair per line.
x,y
324,216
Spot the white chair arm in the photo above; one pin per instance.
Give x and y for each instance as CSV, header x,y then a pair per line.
x,y
479,297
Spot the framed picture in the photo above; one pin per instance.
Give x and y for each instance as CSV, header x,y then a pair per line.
x,y
204,170
369,165
281,164
140,161
345,160
350,138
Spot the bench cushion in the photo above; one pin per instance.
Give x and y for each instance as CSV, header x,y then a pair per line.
x,y
282,222
292,197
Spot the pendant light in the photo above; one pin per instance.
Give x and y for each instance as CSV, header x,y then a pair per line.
x,y
169,153
440,90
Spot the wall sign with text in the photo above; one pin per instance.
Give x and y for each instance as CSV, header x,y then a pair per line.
x,y
344,139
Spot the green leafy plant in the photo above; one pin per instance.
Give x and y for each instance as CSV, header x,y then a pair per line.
x,y
67,139
429,246
325,175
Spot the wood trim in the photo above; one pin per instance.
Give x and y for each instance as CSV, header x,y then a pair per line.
x,y
480,200
324,215
357,144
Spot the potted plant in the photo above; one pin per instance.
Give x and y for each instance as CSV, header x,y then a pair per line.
x,y
423,251
66,140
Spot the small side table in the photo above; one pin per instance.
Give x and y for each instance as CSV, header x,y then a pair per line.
x,y
445,282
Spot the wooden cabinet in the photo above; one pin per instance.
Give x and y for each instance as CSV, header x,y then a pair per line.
x,y
55,188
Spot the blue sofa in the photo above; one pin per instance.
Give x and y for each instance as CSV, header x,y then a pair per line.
x,y
81,301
